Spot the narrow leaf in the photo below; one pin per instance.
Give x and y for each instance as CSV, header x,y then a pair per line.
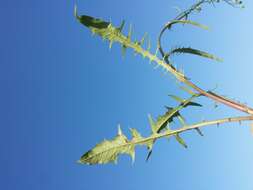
x,y
178,99
199,132
148,156
121,26
130,32
181,119
150,148
194,104
123,50
184,88
135,134
119,130
152,124
180,140
169,25
194,52
143,39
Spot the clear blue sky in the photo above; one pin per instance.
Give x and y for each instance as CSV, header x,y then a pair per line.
x,y
63,91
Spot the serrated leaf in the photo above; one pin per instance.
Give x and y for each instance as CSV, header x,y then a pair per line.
x,y
108,150
194,52
168,117
180,140
163,121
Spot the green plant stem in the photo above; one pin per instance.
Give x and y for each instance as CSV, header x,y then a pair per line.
x,y
124,40
209,94
89,156
191,127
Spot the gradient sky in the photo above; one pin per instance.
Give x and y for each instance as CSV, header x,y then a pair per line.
x,y
63,91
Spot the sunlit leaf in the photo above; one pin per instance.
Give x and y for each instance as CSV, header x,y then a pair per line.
x,y
194,52
180,140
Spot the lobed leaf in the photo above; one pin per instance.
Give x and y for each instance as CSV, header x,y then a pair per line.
x,y
108,151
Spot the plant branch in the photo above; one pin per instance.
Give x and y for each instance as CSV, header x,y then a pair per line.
x,y
108,151
209,94
196,126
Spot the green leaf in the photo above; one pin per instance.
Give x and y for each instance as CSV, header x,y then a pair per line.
x,y
108,150
130,32
150,148
135,134
162,121
123,50
149,154
152,124
194,52
178,99
194,104
121,26
143,39
181,119
186,89
91,22
149,45
173,22
190,50
180,140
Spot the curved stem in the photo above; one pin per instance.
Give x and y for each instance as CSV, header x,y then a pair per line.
x,y
209,94
195,126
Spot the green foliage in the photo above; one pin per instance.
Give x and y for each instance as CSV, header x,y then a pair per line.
x,y
194,52
109,150
173,22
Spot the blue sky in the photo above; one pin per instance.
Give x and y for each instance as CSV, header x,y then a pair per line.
x,y
63,91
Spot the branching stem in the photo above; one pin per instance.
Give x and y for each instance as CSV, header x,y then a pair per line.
x,y
209,94
108,150
194,126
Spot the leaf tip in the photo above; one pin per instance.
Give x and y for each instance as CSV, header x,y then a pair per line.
x,y
75,11
79,162
119,130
